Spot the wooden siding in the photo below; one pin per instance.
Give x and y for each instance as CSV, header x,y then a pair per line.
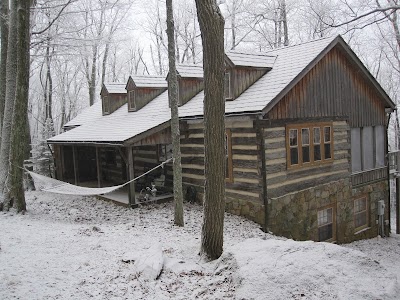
x,y
368,177
246,162
144,96
281,181
188,88
334,87
243,78
115,101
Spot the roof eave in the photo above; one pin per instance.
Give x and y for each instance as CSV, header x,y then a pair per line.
x,y
338,40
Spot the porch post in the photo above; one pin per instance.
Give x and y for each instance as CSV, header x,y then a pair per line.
x,y
76,167
98,165
397,205
131,175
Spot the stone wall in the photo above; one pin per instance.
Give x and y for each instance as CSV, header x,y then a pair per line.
x,y
294,215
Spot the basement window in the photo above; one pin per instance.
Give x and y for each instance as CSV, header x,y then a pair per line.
x,y
360,213
309,144
326,224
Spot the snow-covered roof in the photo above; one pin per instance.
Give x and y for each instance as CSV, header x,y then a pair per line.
x,y
115,88
289,62
88,115
150,81
120,125
251,60
190,71
290,65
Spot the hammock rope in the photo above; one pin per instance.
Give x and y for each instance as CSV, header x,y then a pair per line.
x,y
51,185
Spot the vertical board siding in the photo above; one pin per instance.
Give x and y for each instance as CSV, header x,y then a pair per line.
x,y
333,87
144,96
188,88
243,78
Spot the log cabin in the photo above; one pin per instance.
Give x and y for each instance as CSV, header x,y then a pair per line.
x,y
306,140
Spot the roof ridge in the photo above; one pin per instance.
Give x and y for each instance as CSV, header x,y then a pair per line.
x,y
303,43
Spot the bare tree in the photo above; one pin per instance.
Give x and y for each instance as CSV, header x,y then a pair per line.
x,y
3,59
212,32
11,75
19,128
173,98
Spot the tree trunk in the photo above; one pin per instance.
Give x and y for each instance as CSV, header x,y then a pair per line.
x,y
212,33
285,26
92,80
173,98
9,101
3,59
19,129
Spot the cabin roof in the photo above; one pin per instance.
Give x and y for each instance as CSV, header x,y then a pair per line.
x,y
88,115
150,81
291,64
115,87
119,126
259,60
190,71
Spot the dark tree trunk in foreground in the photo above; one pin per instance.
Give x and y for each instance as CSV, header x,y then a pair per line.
x,y
19,124
3,60
212,34
11,75
173,98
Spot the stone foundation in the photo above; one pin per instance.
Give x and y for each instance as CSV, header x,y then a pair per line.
x,y
294,215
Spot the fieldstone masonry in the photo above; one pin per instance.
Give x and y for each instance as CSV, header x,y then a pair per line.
x,y
294,215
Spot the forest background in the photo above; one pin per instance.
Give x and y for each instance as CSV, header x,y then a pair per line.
x,y
77,45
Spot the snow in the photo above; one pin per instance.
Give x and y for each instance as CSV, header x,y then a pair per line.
x,y
70,247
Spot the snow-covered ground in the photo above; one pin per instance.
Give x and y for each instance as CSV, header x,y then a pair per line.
x,y
69,247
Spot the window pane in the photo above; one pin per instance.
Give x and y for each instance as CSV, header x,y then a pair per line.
x,y
325,232
327,134
293,137
306,154
317,135
294,156
317,152
327,151
305,136
131,96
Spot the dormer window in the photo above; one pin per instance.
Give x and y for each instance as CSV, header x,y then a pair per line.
x,y
131,100
106,105
227,86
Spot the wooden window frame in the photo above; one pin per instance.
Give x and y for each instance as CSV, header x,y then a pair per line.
x,y
132,103
106,104
311,127
228,156
333,222
366,211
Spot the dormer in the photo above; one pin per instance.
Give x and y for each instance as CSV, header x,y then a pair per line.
x,y
190,82
113,96
244,69
142,89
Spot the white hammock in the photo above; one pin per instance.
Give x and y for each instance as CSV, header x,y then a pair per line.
x,y
47,184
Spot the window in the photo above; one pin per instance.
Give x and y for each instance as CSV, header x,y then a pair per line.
x,y
106,105
227,86
131,99
228,156
360,213
367,148
326,224
309,144
164,152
